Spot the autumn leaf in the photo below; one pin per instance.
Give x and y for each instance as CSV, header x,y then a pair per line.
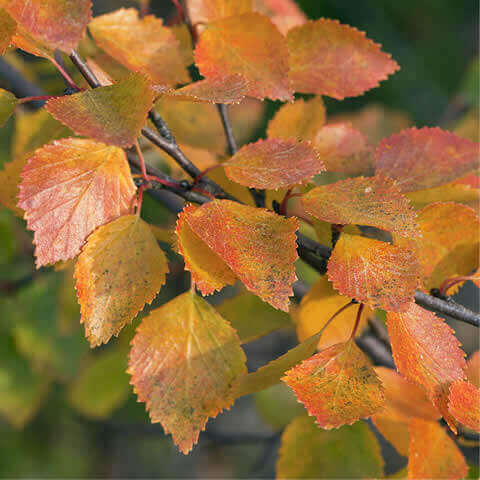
x,y
69,188
120,269
464,404
344,149
8,102
450,192
258,246
425,158
338,386
8,27
307,451
318,306
426,352
373,272
285,14
222,89
299,120
183,361
473,369
443,251
433,454
141,44
56,23
374,201
328,58
273,163
205,11
114,114
250,45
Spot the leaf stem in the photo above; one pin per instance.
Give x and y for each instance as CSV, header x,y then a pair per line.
x,y
357,320
36,98
66,76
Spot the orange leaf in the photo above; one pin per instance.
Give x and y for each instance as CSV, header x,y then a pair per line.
x,y
257,245
443,251
464,404
8,27
473,368
299,120
205,11
375,273
69,188
249,45
433,454
426,351
56,23
328,58
114,114
273,163
231,89
209,272
141,44
285,14
337,385
120,269
316,308
374,201
344,149
183,361
425,158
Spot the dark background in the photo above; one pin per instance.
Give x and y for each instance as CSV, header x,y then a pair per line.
x,y
436,45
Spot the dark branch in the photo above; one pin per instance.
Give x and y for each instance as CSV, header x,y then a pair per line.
x,y
227,127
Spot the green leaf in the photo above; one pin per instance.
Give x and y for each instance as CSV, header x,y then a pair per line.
x,y
8,102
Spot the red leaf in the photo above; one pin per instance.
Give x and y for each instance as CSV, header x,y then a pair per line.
x,y
464,404
374,201
249,45
273,163
114,114
338,386
426,351
328,58
373,272
69,188
425,158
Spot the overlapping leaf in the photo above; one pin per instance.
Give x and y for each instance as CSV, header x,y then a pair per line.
x,y
141,44
56,23
307,451
205,11
258,246
8,102
114,114
473,369
183,361
444,251
338,386
328,58
285,14
299,120
273,163
344,149
433,454
450,192
426,352
318,306
249,45
120,269
373,272
464,404
8,27
374,201
69,188
222,89
425,158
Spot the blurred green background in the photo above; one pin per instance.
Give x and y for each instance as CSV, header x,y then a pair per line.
x,y
69,412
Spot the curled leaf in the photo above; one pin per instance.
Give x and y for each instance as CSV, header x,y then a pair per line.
x,y
183,361
338,386
69,188
114,114
373,272
425,158
120,269
328,58
273,163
